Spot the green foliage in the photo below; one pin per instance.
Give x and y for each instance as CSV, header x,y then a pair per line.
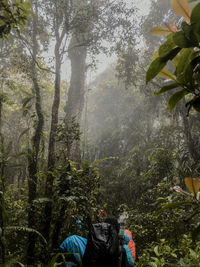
x,y
173,205
139,150
168,255
14,14
126,66
158,256
187,59
59,256
192,206
167,88
175,98
25,230
159,63
66,135
165,235
178,250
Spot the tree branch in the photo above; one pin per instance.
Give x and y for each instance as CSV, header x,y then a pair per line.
x,y
26,44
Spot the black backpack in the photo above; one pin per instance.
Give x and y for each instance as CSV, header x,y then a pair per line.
x,y
102,249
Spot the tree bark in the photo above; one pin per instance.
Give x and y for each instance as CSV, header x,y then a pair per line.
x,y
73,111
34,151
75,103
52,137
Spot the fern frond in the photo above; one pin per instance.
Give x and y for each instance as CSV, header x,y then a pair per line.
x,y
53,261
13,261
20,264
25,229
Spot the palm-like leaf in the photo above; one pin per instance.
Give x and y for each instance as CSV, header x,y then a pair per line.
x,y
25,229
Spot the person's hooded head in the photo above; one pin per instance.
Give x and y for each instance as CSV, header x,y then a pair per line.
x,y
113,221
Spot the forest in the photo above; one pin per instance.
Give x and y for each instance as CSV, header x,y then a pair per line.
x,y
99,111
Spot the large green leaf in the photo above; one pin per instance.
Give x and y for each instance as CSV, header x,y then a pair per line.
x,y
166,74
158,64
175,98
188,75
195,21
175,61
182,64
181,40
195,14
167,46
189,33
171,54
167,88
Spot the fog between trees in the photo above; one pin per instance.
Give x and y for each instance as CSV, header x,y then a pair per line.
x,y
72,142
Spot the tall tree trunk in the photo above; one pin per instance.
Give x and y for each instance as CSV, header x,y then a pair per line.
x,y
33,153
52,137
73,110
75,103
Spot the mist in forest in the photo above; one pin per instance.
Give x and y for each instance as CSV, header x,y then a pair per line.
x,y
99,115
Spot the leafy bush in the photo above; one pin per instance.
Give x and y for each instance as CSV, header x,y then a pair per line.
x,y
186,253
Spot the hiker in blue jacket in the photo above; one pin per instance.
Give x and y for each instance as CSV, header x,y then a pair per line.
x,y
74,245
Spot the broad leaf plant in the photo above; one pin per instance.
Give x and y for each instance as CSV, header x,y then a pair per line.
x,y
193,186
182,48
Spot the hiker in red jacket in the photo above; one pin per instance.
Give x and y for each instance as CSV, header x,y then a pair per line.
x,y
129,246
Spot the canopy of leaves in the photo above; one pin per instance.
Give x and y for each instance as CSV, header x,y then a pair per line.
x,y
14,14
